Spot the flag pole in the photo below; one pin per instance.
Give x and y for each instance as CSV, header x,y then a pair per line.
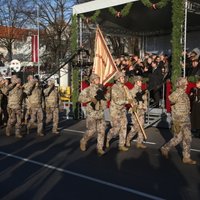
x,y
38,40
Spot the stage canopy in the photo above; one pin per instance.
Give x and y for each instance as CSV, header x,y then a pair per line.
x,y
140,20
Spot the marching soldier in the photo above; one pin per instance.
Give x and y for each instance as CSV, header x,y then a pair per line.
x,y
140,106
35,99
95,122
30,83
52,105
1,98
180,122
15,96
119,99
4,101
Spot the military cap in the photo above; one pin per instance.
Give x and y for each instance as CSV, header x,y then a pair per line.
x,y
181,82
137,78
93,76
118,75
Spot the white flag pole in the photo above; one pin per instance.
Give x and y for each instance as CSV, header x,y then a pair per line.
x,y
38,40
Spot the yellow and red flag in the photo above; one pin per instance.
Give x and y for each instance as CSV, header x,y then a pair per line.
x,y
104,64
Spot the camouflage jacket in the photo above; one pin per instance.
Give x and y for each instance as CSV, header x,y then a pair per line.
x,y
35,95
180,105
85,97
15,98
119,98
141,103
51,97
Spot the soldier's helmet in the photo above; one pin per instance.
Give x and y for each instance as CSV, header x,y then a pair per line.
x,y
118,75
181,82
93,76
137,78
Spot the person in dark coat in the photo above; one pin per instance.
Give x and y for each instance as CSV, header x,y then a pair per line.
x,y
195,108
155,83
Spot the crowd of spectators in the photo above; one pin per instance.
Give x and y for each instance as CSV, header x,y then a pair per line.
x,y
156,68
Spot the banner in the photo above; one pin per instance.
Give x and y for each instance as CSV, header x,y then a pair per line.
x,y
35,49
104,64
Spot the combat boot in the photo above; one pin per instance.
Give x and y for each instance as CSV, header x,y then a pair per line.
x,y
100,152
40,134
107,143
82,145
164,152
8,131
123,148
128,143
18,135
56,132
189,161
141,146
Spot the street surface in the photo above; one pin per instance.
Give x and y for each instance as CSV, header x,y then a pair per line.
x,y
52,167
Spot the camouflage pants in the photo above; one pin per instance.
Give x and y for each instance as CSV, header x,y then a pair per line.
x,y
95,126
15,118
119,127
136,128
52,113
184,136
36,115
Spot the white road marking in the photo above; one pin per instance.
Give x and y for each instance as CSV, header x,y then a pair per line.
x,y
126,189
152,143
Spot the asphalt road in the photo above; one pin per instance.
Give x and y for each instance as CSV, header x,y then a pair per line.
x,y
53,167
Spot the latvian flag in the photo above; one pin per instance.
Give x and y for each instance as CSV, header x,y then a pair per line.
x,y
35,49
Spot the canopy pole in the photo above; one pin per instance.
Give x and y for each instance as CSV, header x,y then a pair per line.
x,y
185,39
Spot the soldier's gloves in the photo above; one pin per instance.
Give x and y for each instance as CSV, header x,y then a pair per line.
x,y
130,101
138,96
100,95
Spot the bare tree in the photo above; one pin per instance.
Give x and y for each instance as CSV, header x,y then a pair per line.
x,y
54,21
12,19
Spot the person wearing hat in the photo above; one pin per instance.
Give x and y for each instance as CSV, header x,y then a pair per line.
x,y
15,97
95,122
140,103
181,124
34,94
119,98
52,105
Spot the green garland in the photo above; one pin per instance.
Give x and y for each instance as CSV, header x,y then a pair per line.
x,y
124,12
177,21
160,4
75,73
93,18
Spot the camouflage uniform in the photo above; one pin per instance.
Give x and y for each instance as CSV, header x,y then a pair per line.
x,y
140,103
15,97
52,105
1,98
95,122
118,112
27,86
180,122
3,102
35,99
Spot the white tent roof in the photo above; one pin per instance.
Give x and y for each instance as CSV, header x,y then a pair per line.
x,y
97,5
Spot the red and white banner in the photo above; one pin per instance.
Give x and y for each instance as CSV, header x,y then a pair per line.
x,y
35,49
104,64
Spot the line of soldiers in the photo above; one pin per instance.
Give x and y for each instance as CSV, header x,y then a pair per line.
x,y
119,95
31,103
